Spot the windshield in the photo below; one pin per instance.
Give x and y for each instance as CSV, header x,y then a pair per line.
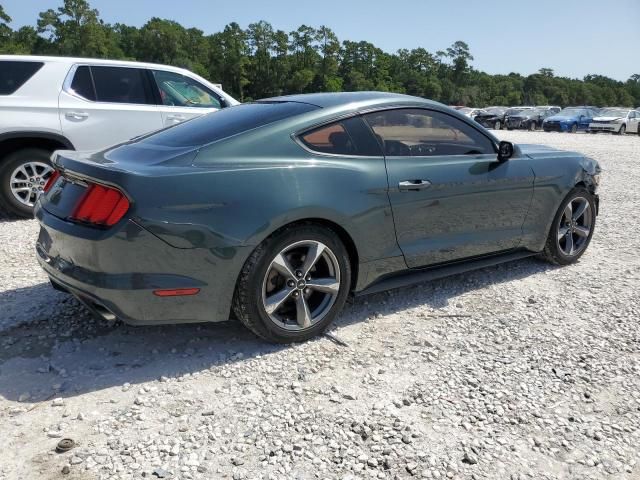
x,y
613,112
226,123
513,111
466,110
495,110
570,112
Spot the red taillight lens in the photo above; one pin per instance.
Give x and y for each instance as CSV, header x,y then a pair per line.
x,y
51,180
101,205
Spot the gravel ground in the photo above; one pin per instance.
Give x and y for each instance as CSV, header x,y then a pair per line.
x,y
519,371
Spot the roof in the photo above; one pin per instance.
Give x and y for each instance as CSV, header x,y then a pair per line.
x,y
72,60
336,99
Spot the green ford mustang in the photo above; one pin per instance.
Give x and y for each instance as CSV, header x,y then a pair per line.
x,y
275,211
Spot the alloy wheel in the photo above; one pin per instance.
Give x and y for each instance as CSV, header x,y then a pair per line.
x,y
301,285
574,228
497,125
623,130
28,180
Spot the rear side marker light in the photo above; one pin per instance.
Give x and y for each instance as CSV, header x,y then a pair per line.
x,y
101,205
176,292
51,180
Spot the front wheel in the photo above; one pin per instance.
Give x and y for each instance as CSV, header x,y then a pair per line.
x,y
572,228
574,128
533,126
497,125
623,130
23,175
294,284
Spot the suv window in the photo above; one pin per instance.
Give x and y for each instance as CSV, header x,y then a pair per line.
x,y
82,84
226,123
418,132
180,91
15,74
121,85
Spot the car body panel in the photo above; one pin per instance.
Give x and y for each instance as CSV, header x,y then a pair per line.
x,y
581,117
198,212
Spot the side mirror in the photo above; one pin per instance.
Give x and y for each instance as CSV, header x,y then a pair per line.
x,y
505,151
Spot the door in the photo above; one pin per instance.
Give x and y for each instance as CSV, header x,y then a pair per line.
x,y
585,118
634,122
183,98
450,196
105,105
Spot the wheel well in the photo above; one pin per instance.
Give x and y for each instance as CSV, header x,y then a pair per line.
x,y
342,234
14,144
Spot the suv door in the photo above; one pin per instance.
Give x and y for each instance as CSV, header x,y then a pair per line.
x,y
182,98
102,105
451,198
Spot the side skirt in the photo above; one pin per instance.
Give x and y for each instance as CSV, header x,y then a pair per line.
x,y
411,277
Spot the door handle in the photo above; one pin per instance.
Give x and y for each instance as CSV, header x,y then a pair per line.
x,y
414,185
76,115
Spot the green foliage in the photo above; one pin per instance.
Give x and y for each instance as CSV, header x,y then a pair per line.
x,y
260,61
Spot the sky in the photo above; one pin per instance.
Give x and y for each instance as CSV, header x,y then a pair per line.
x,y
573,37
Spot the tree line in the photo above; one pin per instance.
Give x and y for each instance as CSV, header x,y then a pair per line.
x,y
260,61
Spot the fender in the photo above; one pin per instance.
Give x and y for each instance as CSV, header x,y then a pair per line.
x,y
37,134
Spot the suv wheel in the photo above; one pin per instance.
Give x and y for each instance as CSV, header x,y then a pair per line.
x,y
572,228
23,175
294,284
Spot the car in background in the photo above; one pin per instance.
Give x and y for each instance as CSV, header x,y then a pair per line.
x,y
529,118
470,112
570,119
616,120
278,210
492,117
52,103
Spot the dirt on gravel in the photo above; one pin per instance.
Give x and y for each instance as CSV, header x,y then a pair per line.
x,y
523,370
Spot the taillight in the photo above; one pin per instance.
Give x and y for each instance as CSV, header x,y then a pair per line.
x,y
51,180
101,205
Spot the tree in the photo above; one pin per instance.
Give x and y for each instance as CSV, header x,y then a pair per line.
x,y
75,29
5,29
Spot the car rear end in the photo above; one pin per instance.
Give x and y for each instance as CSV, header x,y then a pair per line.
x,y
92,244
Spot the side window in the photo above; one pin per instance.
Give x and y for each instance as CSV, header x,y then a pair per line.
x,y
180,91
350,136
15,74
121,85
418,132
82,84
331,138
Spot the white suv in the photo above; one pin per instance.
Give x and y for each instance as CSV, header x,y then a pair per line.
x,y
51,103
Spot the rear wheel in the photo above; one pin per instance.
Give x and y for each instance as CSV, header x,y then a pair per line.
x,y
23,175
294,284
572,228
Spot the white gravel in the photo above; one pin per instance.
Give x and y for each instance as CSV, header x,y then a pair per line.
x,y
518,371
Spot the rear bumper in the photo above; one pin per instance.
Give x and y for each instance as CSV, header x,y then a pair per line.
x,y
116,275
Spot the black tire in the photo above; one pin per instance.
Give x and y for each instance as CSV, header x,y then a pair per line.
x,y
623,129
532,126
8,202
497,125
574,128
248,301
552,252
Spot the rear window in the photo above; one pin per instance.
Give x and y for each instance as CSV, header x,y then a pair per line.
x,y
226,123
15,74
